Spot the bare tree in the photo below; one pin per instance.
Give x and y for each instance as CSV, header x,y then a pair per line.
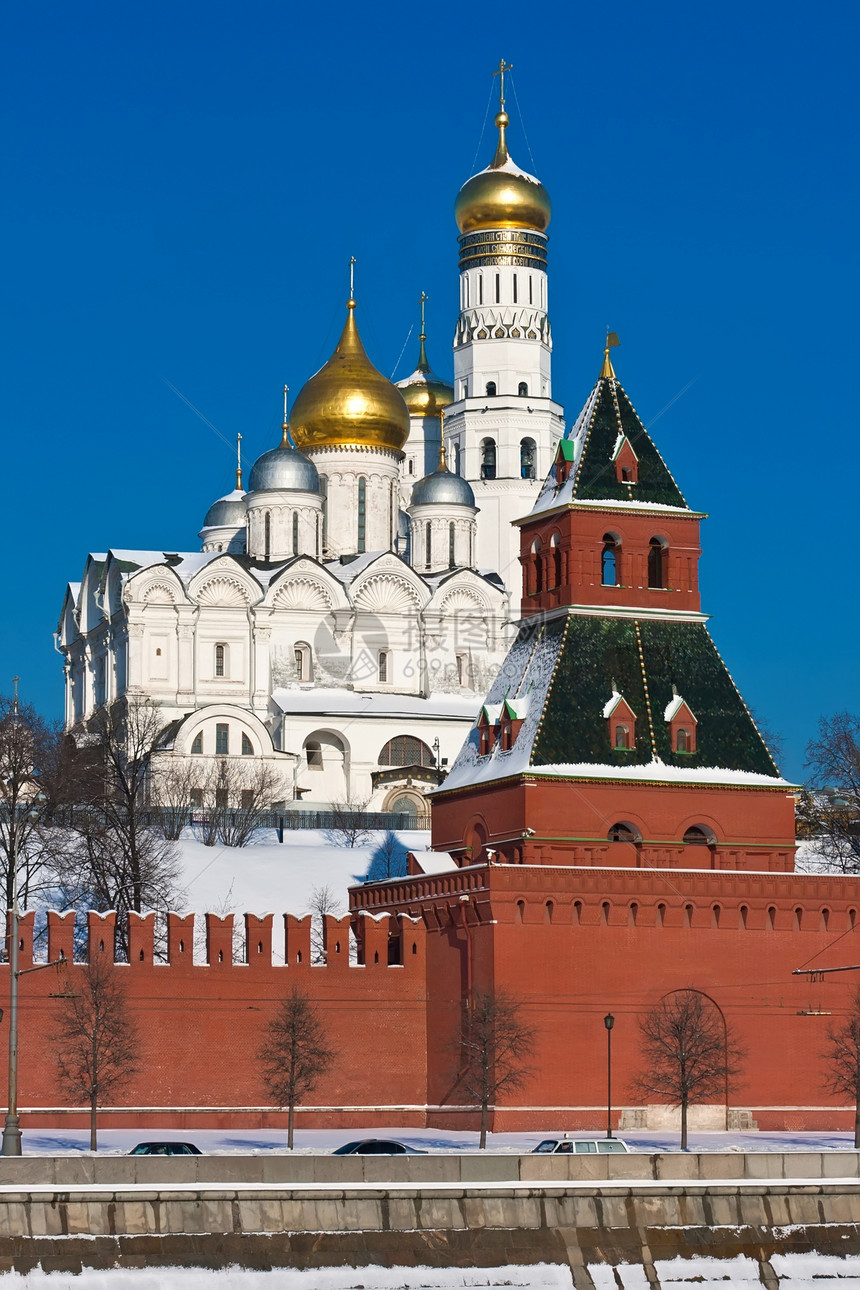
x,y
689,1054
120,861
842,1054
294,1054
97,1042
323,903
834,820
349,828
493,1050
32,782
174,782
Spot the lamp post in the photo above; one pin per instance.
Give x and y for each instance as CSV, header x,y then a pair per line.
x,y
11,1128
609,1022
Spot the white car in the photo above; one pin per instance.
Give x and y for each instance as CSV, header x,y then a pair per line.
x,y
581,1146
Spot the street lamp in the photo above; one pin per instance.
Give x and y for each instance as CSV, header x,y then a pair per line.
x,y
609,1022
11,1129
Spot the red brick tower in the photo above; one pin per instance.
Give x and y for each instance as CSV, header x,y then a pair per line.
x,y
614,733
614,828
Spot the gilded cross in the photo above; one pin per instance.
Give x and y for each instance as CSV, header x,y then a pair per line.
x,y
500,72
422,299
352,277
15,680
286,392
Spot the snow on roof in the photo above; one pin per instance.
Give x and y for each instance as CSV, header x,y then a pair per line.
x,y
674,707
518,708
549,495
349,571
509,167
492,711
354,703
610,703
434,861
527,669
659,771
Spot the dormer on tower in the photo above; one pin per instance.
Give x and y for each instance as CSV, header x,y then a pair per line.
x,y
621,721
682,724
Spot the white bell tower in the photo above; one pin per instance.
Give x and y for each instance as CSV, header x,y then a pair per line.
x,y
503,425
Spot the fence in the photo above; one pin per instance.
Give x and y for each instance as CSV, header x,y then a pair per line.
x,y
280,820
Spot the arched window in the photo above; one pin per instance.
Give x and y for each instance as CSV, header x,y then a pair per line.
x,y
451,545
220,660
222,739
622,833
362,513
197,743
267,535
622,736
302,655
491,389
523,390
480,288
656,572
555,551
682,740
537,567
549,910
247,746
313,753
771,918
528,458
324,495
488,458
521,911
428,544
610,572
295,532
317,541
457,457
382,667
498,291
411,466
406,750
514,284
697,837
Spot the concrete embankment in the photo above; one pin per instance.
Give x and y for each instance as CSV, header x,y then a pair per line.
x,y
458,1210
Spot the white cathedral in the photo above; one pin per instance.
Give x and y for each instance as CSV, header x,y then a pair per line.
x,y
345,615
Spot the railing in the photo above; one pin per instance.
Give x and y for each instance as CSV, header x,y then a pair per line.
x,y
280,819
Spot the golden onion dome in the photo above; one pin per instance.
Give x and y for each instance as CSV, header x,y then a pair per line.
x,y
424,392
348,402
502,196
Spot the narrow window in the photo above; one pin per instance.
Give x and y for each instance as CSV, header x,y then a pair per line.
x,y
661,914
411,466
362,512
655,563
682,743
527,458
466,288
457,470
771,918
626,475
295,532
488,459
246,799
549,910
461,668
498,288
609,561
300,663
222,739
314,755
317,538
556,563
577,911
480,288
382,667
324,492
220,660
622,737
451,545
428,544
515,288
743,914
196,796
197,743
522,390
531,292
267,535
537,567
491,389
247,746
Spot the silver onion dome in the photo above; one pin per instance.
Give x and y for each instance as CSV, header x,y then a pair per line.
x,y
442,488
227,512
284,468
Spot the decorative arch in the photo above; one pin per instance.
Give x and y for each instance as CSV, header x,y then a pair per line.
x,y
406,750
223,592
387,593
303,594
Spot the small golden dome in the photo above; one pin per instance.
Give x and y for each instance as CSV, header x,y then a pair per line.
x,y
348,402
502,196
424,392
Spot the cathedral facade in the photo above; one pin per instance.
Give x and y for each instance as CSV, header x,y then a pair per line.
x,y
348,610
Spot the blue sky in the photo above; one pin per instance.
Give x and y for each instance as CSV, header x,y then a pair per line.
x,y
186,183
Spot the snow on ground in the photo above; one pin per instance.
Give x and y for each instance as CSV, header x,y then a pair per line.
x,y
541,1276
264,1141
268,877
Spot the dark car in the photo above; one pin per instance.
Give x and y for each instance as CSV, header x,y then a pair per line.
x,y
377,1147
581,1146
165,1149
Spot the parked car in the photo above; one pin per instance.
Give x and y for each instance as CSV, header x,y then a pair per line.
x,y
377,1147
581,1146
165,1149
